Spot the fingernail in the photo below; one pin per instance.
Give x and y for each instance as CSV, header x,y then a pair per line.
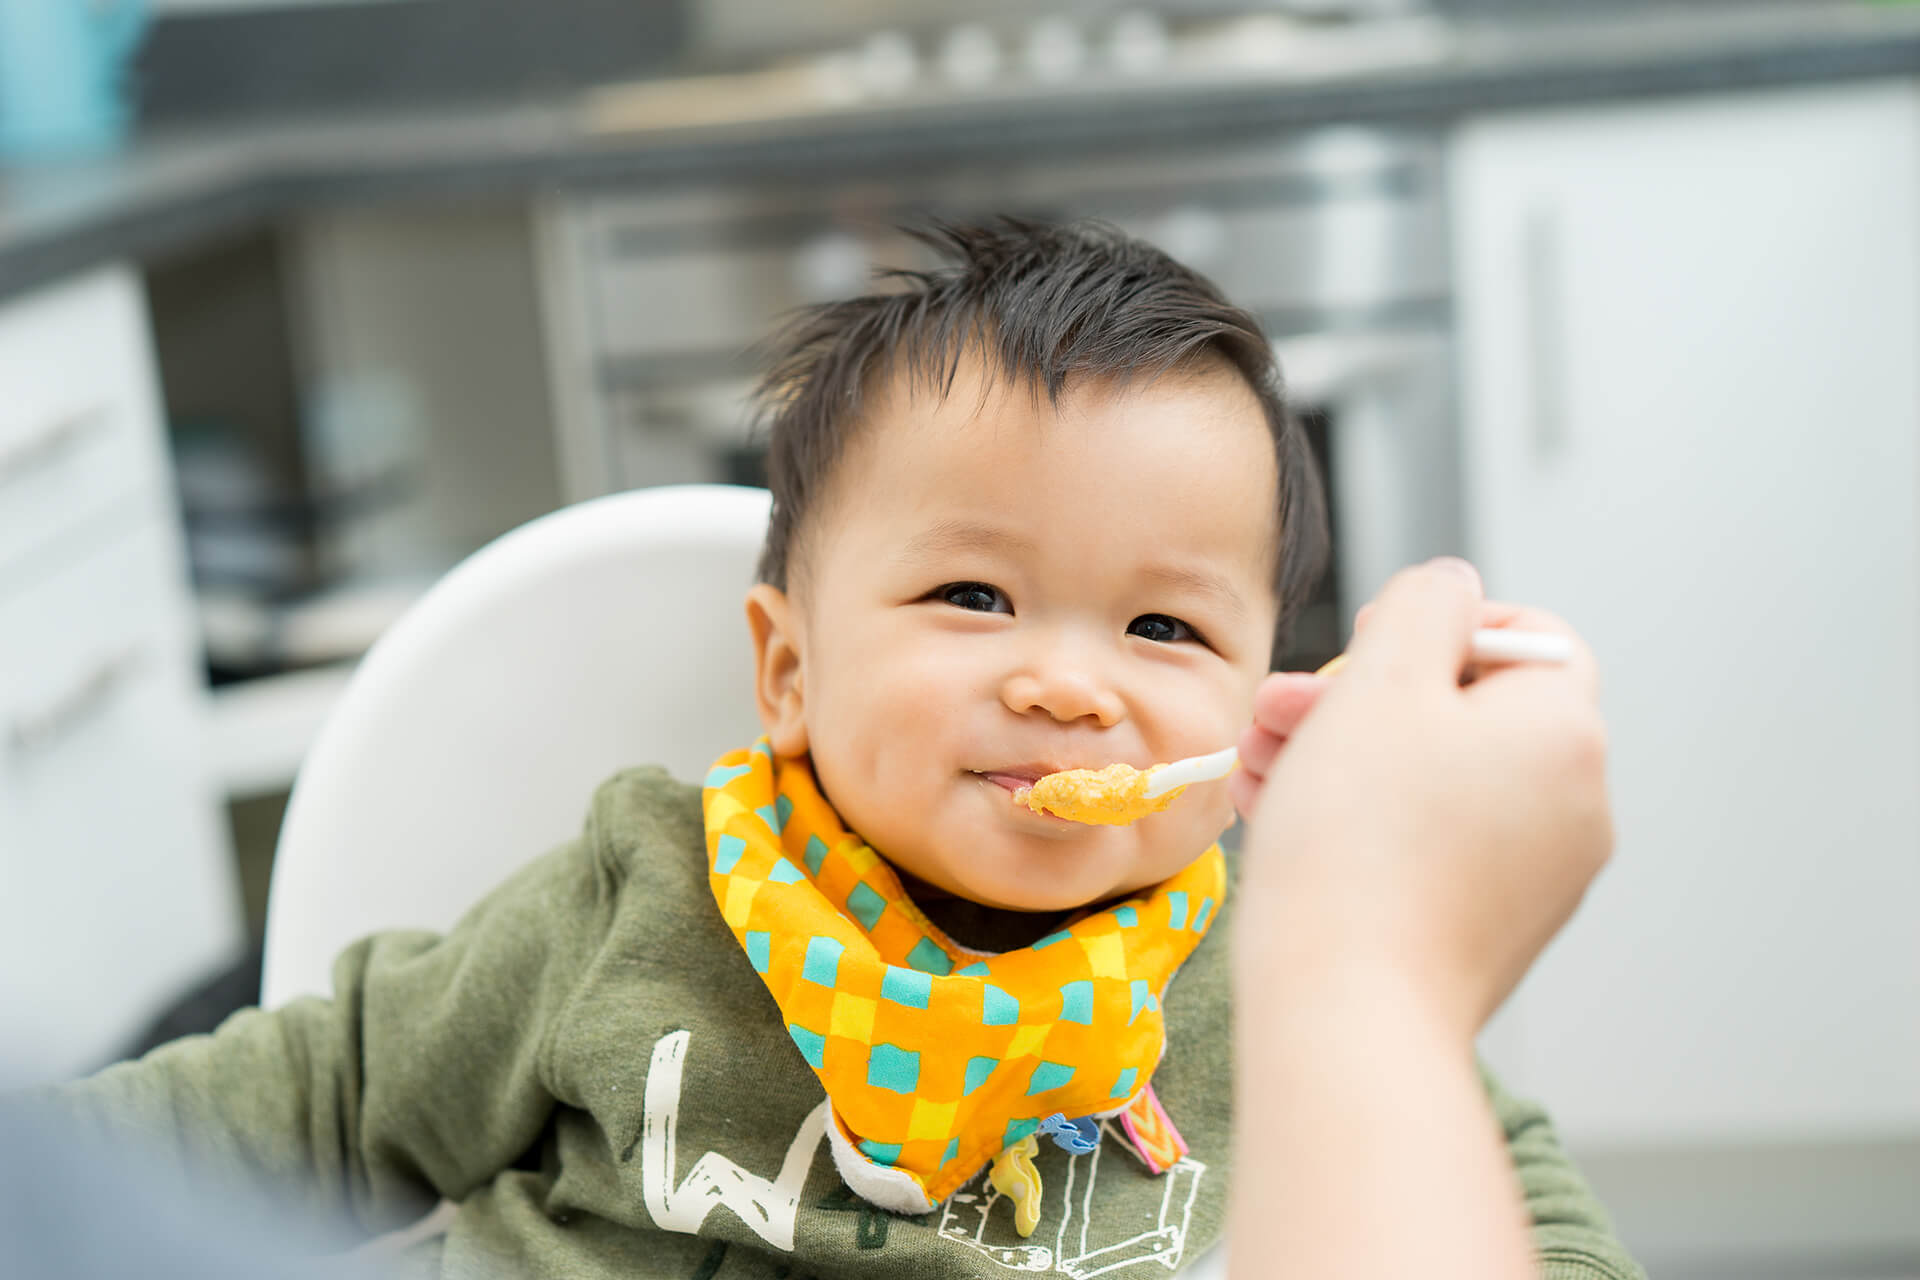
x,y
1455,564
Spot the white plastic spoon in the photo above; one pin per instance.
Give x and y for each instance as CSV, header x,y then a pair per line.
x,y
1490,644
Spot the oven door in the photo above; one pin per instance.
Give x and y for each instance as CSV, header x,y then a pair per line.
x,y
1379,410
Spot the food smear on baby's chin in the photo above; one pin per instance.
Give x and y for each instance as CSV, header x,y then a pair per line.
x,y
1109,797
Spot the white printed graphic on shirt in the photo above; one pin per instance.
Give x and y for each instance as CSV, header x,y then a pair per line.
x,y
769,1208
1078,1248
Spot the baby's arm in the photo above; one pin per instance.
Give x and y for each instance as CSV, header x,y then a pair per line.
x,y
1571,1232
423,1077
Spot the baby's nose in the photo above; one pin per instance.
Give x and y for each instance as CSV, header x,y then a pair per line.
x,y
1066,693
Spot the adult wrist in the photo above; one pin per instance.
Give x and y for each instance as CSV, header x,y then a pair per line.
x,y
1305,983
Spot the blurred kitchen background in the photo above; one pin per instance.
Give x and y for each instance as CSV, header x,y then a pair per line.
x,y
301,302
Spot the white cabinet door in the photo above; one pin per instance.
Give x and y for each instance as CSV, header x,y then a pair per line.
x,y
79,436
1689,335
117,891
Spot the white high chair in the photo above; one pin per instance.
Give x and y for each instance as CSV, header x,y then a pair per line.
x,y
607,634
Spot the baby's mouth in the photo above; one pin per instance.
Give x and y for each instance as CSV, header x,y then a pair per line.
x,y
1012,780
1016,782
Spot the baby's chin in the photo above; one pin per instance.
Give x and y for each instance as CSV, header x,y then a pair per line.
x,y
1031,893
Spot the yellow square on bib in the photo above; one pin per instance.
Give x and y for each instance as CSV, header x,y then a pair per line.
x,y
853,1017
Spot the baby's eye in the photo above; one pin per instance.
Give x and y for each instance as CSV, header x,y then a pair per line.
x,y
977,596
1161,629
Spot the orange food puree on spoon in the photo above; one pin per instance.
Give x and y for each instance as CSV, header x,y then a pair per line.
x,y
1112,797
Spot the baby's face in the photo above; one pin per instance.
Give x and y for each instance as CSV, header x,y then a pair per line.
x,y
1001,588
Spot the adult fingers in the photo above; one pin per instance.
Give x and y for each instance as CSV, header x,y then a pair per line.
x,y
1279,704
1245,789
1493,613
1258,750
1581,665
1283,699
1499,613
1420,625
1550,727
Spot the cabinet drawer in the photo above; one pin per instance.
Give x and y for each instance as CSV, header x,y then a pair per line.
x,y
116,889
79,415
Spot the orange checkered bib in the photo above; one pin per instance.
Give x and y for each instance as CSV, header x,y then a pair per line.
x,y
938,1058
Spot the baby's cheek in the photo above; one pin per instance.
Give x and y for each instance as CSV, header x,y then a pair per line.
x,y
1214,811
926,684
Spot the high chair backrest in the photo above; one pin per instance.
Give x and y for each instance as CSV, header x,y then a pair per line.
x,y
607,634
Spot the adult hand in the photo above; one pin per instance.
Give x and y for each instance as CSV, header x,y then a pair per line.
x,y
1434,833
1413,844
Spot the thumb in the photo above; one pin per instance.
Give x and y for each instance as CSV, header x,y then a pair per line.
x,y
1420,627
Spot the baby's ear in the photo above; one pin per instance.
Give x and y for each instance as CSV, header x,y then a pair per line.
x,y
779,685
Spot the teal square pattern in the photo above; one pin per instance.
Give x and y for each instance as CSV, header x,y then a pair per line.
x,y
997,1007
891,1067
823,961
721,775
816,854
759,949
812,1047
775,815
1123,1087
881,1152
906,986
1048,1075
1176,909
785,872
978,1069
1142,998
927,957
726,855
865,905
1076,1002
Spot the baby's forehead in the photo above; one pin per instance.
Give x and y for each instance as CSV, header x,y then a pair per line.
x,y
1188,451
922,413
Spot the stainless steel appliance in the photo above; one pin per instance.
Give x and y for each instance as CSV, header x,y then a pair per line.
x,y
1336,239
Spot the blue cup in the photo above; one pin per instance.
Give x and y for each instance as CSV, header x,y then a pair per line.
x,y
62,74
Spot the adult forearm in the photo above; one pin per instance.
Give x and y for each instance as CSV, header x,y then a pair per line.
x,y
261,1115
1367,1147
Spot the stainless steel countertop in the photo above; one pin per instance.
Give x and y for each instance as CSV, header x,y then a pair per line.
x,y
163,193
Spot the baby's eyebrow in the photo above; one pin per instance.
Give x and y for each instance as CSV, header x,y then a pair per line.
x,y
966,535
1199,581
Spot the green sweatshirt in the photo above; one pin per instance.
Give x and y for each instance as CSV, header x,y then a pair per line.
x,y
589,1066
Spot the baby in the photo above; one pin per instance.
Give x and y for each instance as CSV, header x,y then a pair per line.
x,y
851,1007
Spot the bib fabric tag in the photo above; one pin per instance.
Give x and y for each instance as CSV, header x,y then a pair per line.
x,y
1151,1133
1014,1176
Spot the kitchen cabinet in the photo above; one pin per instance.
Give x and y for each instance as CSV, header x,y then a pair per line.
x,y
117,890
1690,415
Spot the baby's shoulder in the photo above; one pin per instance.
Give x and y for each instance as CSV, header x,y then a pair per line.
x,y
642,814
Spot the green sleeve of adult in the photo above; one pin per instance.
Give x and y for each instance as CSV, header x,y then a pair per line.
x,y
423,1077
1572,1234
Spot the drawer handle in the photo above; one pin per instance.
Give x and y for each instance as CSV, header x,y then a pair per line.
x,y
41,447
37,729
1545,310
